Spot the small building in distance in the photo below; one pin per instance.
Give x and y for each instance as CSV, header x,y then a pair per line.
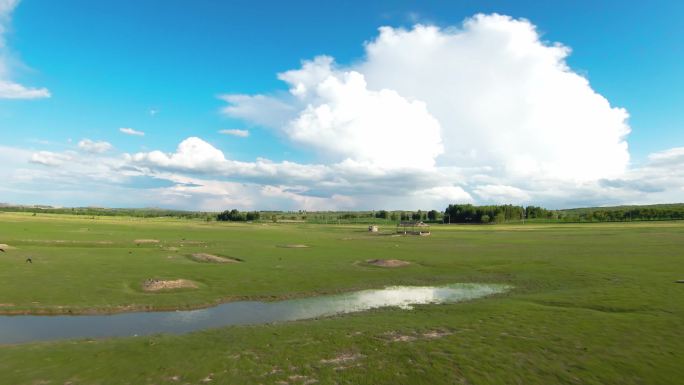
x,y
413,228
373,228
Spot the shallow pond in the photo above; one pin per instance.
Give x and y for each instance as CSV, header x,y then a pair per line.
x,y
31,328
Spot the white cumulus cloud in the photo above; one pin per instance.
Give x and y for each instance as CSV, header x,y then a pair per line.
x,y
454,194
191,154
94,147
345,119
489,98
341,118
504,98
502,194
313,184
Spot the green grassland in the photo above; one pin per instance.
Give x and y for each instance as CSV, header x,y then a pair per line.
x,y
591,304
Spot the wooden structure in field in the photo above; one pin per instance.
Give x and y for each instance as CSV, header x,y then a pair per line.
x,y
413,228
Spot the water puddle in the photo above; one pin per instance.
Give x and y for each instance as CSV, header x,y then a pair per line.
x,y
32,328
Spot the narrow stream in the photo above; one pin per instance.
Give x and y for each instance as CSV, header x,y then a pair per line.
x,y
32,328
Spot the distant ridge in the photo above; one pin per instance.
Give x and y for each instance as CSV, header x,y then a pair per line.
x,y
622,207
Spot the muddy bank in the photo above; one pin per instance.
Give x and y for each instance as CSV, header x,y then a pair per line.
x,y
210,258
388,262
145,241
159,285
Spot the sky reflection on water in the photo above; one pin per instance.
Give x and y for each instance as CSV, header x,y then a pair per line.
x,y
21,329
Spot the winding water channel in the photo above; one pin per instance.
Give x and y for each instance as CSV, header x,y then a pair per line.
x,y
32,328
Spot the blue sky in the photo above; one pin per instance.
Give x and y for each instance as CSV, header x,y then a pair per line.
x,y
160,67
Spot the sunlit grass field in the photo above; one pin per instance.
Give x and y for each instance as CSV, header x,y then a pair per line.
x,y
591,304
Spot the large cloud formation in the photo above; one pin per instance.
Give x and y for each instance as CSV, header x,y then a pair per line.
x,y
490,106
489,94
504,98
343,117
8,88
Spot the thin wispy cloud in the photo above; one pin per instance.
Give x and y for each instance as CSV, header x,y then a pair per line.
x,y
130,131
235,132
8,88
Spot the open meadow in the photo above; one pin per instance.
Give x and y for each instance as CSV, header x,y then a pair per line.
x,y
589,304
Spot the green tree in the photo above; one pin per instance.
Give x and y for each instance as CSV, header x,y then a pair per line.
x,y
382,214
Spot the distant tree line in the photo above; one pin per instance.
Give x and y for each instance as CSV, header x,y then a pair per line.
x,y
627,213
238,216
107,212
466,213
455,213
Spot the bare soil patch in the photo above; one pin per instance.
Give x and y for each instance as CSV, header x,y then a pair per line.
x,y
342,358
388,262
400,337
393,336
294,246
436,334
158,284
305,380
144,241
403,338
5,246
210,258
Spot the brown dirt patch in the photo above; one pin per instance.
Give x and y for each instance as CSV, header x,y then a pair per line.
x,y
305,380
158,284
143,241
388,262
342,358
210,258
393,336
295,246
5,246
436,334
402,338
